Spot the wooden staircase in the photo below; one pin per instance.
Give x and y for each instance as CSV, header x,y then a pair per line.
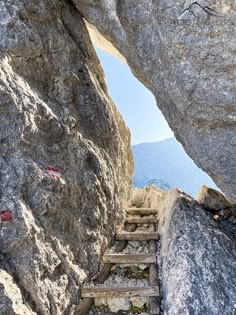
x,y
134,216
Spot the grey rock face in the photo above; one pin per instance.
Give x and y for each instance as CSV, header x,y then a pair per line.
x,y
55,111
11,300
186,57
212,199
197,259
148,197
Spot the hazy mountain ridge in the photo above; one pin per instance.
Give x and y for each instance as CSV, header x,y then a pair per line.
x,y
167,162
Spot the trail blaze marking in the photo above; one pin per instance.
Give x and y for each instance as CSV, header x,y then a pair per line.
x,y
5,215
54,172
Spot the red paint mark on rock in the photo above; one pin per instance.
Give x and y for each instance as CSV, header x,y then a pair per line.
x,y
53,169
54,172
5,215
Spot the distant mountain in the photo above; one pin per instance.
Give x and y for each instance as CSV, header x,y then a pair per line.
x,y
165,164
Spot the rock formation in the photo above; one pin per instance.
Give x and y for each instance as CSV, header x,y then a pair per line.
x,y
148,197
65,159
185,55
197,255
197,258
212,199
215,202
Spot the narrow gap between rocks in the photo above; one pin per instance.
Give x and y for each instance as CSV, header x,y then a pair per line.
x,y
159,159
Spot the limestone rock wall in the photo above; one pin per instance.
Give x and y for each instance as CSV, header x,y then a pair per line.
x,y
196,252
55,112
197,259
148,197
184,52
212,199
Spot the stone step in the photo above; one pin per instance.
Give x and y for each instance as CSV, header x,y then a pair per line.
x,y
117,292
141,211
141,220
129,259
136,236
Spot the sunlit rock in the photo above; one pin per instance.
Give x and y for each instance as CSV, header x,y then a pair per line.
x,y
197,259
185,55
212,199
65,158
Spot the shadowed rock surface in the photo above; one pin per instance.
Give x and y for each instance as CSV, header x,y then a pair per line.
x,y
197,258
55,111
186,57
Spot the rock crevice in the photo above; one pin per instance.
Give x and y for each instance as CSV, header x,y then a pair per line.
x,y
186,59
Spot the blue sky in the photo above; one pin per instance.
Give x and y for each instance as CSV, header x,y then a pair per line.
x,y
135,103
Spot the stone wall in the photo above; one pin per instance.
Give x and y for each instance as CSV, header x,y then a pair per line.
x,y
55,112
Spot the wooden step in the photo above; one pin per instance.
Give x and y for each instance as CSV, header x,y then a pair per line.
x,y
129,259
141,211
137,236
153,276
142,220
109,292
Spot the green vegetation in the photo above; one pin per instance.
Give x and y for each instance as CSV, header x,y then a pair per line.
x,y
138,310
136,273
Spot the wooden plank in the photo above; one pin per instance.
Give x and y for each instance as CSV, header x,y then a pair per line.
x,y
129,258
110,292
154,301
84,306
141,211
142,220
105,272
137,236
86,303
153,276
